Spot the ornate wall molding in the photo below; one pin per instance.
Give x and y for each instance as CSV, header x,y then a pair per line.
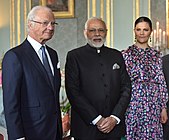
x,y
12,25
106,10
18,16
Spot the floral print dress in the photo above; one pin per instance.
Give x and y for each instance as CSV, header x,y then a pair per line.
x,y
149,94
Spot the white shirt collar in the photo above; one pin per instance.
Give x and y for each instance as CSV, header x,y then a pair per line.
x,y
36,45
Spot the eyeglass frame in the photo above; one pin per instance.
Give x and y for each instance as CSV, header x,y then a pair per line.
x,y
45,23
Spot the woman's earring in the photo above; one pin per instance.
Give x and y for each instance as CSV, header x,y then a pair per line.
x,y
150,38
135,40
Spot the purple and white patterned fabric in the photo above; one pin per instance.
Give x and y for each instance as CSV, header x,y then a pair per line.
x,y
149,93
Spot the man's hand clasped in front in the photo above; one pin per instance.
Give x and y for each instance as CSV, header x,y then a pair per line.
x,y
107,124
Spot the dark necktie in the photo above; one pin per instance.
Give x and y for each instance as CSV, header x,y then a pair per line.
x,y
46,65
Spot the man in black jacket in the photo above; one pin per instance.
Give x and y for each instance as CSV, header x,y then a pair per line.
x,y
166,74
98,87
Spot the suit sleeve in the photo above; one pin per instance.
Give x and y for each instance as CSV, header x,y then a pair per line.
x,y
11,84
125,91
165,69
165,62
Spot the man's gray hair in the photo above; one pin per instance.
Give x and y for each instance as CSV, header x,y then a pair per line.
x,y
94,18
32,13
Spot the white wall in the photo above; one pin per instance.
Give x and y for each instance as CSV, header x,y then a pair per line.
x,y
123,23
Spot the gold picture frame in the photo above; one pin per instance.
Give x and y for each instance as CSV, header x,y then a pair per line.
x,y
65,10
60,8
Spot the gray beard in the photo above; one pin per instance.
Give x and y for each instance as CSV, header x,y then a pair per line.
x,y
95,45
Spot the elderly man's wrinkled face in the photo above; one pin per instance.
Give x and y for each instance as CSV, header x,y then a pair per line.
x,y
95,33
42,26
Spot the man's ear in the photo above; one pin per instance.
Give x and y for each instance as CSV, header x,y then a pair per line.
x,y
30,24
85,33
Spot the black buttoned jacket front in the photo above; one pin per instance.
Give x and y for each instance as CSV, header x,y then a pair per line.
x,y
97,83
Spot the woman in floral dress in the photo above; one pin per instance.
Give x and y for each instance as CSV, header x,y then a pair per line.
x,y
147,108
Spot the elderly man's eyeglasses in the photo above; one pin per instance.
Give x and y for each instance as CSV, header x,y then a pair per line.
x,y
97,30
45,23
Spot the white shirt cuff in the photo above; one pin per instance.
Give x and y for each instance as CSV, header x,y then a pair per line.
x,y
96,120
117,119
21,138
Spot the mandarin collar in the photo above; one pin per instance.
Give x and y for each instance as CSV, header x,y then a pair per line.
x,y
98,50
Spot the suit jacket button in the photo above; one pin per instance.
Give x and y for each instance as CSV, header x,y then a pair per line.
x,y
105,85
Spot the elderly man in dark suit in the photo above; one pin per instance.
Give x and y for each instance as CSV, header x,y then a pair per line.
x,y
31,82
98,87
166,74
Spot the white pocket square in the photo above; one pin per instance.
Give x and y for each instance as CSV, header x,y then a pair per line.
x,y
58,65
116,66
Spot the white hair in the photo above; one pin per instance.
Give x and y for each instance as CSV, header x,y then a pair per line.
x,y
33,11
94,18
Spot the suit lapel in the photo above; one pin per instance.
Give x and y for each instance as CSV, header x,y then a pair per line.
x,y
33,57
57,75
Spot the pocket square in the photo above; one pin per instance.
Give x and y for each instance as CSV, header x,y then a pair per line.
x,y
116,66
58,65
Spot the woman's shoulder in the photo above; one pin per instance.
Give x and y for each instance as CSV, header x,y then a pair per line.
x,y
128,50
155,52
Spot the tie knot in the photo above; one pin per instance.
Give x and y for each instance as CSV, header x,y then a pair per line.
x,y
42,48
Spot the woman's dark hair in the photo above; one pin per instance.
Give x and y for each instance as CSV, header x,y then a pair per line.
x,y
143,19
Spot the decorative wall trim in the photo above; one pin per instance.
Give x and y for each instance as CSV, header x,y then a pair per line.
x,y
134,15
102,9
88,8
112,25
149,8
12,25
18,21
25,17
108,19
137,8
93,8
